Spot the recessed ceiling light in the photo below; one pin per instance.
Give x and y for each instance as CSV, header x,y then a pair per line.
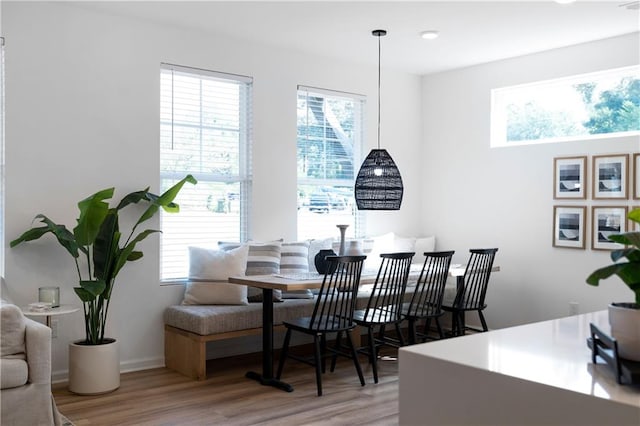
x,y
429,35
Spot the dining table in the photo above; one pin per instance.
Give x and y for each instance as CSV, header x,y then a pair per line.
x,y
304,281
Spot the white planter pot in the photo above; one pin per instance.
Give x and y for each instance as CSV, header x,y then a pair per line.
x,y
94,369
625,328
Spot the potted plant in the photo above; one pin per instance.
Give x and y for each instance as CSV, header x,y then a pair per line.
x,y
624,317
99,251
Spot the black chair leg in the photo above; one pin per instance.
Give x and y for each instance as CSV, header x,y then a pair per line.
x,y
412,331
373,356
337,349
440,333
427,328
399,333
318,356
462,325
483,321
283,353
323,351
354,356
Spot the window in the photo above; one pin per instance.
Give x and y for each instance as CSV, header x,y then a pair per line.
x,y
329,148
205,130
587,106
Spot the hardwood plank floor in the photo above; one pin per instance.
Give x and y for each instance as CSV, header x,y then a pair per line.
x,y
163,397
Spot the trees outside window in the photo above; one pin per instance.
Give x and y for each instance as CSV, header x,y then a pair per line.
x,y
328,152
585,106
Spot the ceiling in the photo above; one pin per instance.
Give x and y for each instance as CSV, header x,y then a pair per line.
x,y
471,32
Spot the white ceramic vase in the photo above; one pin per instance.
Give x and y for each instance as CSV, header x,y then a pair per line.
x,y
94,369
625,328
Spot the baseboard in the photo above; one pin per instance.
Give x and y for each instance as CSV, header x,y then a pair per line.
x,y
62,376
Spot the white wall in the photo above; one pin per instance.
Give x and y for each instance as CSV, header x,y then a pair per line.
x,y
474,196
82,108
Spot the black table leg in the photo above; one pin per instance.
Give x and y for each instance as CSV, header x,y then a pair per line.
x,y
266,378
460,289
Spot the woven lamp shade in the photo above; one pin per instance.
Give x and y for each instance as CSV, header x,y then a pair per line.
x,y
379,184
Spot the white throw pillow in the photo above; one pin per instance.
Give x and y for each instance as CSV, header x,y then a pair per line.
x,y
426,244
402,244
208,274
381,244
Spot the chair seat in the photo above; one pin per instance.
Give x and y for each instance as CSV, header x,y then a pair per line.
x,y
448,305
322,324
422,312
374,316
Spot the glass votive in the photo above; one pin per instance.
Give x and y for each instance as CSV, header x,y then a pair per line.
x,y
49,295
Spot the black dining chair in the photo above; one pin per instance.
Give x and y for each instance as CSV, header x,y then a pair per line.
x,y
426,302
471,291
384,306
332,313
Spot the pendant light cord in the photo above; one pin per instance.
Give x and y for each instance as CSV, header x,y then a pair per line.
x,y
379,50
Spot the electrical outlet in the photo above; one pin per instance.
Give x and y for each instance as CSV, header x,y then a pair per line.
x,y
573,308
54,328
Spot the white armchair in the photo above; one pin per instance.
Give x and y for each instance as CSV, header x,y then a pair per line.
x,y
25,370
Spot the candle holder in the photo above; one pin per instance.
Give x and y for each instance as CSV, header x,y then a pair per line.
x,y
49,295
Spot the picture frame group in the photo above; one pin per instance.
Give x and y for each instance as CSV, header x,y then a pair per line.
x,y
610,177
614,177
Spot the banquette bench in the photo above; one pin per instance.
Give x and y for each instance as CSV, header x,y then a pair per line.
x,y
188,328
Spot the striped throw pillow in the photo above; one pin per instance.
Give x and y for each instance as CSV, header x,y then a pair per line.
x,y
263,259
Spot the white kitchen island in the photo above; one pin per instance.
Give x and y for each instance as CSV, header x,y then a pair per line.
x,y
534,374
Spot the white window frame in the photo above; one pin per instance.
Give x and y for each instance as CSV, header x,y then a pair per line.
x,y
499,106
358,228
243,178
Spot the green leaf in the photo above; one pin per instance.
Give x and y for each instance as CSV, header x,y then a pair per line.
x,y
633,238
134,256
84,295
93,211
94,287
165,200
602,273
133,198
105,247
128,250
619,254
629,273
620,238
63,235
634,215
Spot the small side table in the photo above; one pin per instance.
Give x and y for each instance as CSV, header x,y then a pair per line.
x,y
60,310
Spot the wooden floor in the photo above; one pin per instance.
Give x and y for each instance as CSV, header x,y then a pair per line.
x,y
163,397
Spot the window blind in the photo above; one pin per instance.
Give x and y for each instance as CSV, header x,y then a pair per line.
x,y
205,130
329,142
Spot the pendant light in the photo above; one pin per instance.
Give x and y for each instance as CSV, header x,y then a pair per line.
x,y
379,184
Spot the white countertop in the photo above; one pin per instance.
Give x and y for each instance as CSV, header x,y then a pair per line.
x,y
552,353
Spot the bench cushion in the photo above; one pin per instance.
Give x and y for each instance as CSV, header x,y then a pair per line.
x,y
215,319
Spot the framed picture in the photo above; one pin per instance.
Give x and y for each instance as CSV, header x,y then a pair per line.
x,y
636,176
607,221
569,226
569,178
610,177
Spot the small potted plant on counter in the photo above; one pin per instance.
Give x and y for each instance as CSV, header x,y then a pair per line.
x,y
624,317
